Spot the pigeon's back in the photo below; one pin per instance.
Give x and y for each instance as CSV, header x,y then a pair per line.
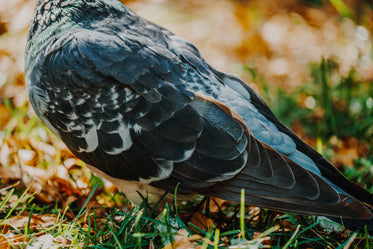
x,y
142,108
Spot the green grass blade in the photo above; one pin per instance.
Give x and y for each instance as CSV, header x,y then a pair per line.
x,y
341,7
292,238
216,238
2,204
83,210
17,203
242,214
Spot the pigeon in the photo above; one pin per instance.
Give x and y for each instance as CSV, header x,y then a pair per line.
x,y
143,109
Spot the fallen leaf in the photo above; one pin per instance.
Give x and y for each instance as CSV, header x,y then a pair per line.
x,y
44,241
26,157
201,221
43,147
17,241
216,204
36,221
62,241
5,155
10,173
66,186
4,243
5,115
183,241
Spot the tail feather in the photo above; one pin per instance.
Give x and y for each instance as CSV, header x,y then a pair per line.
x,y
355,224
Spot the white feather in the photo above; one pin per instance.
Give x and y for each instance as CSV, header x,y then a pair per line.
x,y
165,168
124,133
91,140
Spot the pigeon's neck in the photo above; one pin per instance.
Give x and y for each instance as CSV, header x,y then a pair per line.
x,y
56,13
54,17
51,11
51,17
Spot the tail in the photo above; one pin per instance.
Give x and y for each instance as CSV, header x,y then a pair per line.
x,y
354,224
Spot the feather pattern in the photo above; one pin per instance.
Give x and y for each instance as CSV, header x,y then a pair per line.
x,y
138,103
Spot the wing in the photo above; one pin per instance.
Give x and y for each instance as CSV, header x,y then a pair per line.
x,y
110,102
272,180
123,107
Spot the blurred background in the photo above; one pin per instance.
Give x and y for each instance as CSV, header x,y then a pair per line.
x,y
312,61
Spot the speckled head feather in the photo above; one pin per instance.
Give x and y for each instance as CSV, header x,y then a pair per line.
x,y
54,17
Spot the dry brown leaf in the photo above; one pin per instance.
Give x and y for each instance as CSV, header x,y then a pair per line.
x,y
36,221
254,213
15,240
62,241
43,147
6,154
10,173
66,203
183,241
37,173
288,226
254,244
4,243
215,204
201,221
5,116
66,187
265,241
70,162
27,157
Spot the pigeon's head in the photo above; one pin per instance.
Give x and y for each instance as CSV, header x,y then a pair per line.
x,y
54,17
58,15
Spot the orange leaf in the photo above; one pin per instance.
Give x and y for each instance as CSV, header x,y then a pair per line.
x,y
201,221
